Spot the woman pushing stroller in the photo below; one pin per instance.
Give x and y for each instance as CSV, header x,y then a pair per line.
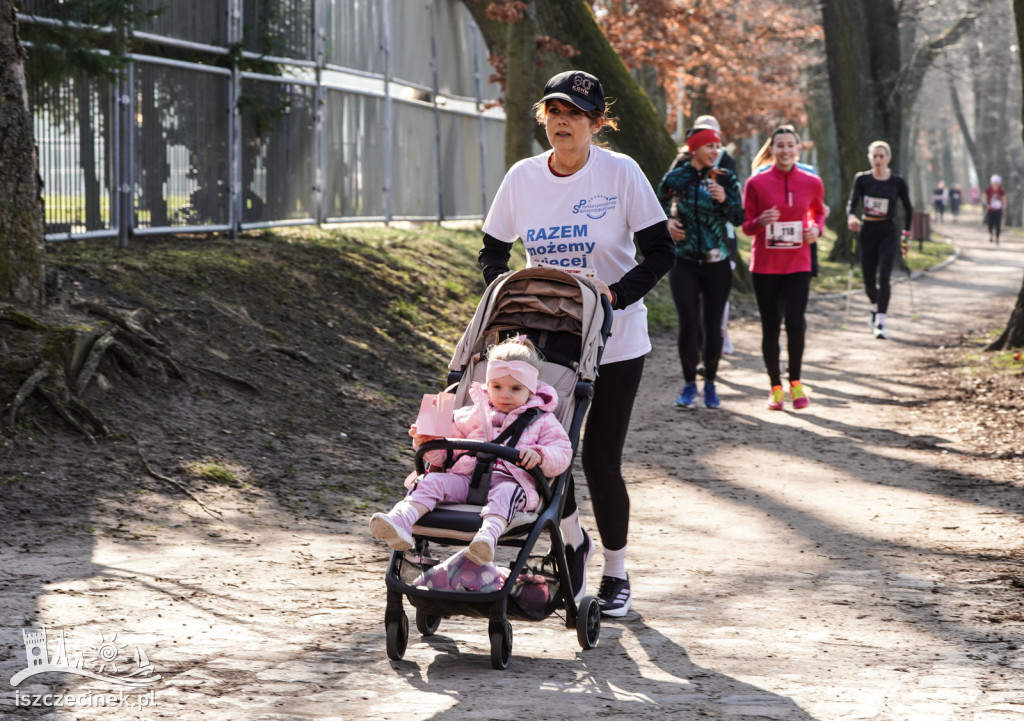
x,y
513,386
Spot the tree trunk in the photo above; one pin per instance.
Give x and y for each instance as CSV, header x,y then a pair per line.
x,y
642,133
873,82
965,131
1013,335
862,45
822,129
21,212
521,83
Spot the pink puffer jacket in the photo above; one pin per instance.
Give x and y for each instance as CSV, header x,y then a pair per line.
x,y
544,435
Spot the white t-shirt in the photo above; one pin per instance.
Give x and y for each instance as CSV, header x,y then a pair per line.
x,y
582,223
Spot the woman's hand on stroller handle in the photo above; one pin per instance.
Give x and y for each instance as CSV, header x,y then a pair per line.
x,y
603,289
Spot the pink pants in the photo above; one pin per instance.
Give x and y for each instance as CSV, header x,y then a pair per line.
x,y
504,497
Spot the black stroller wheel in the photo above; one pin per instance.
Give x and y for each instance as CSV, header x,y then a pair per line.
x,y
397,637
427,624
588,623
501,647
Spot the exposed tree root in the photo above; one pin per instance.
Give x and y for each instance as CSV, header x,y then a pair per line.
x,y
149,469
284,350
226,376
62,363
27,388
22,319
64,413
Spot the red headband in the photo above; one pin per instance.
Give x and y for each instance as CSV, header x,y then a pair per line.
x,y
701,138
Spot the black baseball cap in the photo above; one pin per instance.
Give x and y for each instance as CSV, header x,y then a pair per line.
x,y
577,87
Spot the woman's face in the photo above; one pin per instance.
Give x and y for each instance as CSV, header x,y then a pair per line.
x,y
785,150
705,156
568,128
879,158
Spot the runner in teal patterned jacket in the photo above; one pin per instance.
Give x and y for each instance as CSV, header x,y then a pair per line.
x,y
700,199
683,194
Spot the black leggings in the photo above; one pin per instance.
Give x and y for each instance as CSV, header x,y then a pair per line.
x,y
695,285
879,244
994,221
603,440
778,297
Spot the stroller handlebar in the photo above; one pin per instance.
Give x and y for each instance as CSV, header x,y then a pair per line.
x,y
483,451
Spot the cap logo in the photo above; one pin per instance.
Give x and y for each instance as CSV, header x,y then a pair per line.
x,y
581,85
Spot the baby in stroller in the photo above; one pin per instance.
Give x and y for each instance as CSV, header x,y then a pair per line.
x,y
513,401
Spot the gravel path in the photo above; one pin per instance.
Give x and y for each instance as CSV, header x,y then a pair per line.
x,y
855,560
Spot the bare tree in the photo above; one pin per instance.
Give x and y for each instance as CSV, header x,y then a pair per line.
x,y
1013,335
876,70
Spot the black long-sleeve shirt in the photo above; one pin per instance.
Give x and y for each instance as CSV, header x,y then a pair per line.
x,y
879,197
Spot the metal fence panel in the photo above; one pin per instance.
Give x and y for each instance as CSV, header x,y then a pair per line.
x,y
196,21
278,152
493,142
75,129
384,124
414,167
282,28
460,167
355,32
457,66
182,159
356,178
412,57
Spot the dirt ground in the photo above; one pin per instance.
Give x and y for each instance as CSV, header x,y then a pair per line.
x,y
860,559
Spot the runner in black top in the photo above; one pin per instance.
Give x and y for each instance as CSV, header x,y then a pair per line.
x,y
878,190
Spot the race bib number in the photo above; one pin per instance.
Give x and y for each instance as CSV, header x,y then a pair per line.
x,y
780,236
995,204
876,207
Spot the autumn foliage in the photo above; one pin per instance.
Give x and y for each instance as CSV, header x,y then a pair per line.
x,y
743,61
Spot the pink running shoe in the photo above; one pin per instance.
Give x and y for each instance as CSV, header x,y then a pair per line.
x,y
775,399
799,396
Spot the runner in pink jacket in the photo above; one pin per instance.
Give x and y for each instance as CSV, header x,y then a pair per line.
x,y
785,212
513,386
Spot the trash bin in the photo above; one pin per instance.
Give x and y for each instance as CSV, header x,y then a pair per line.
x,y
921,227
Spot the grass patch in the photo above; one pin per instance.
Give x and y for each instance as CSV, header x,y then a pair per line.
x,y
214,472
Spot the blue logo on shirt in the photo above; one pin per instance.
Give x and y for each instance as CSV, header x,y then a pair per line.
x,y
595,208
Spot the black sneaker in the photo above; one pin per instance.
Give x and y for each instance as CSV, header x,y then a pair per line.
x,y
614,598
577,558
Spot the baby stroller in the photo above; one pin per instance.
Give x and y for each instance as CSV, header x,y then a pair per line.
x,y
568,320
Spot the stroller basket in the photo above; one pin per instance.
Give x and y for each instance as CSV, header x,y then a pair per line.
x,y
568,320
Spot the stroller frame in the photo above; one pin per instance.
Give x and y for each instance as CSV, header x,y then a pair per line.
x,y
452,525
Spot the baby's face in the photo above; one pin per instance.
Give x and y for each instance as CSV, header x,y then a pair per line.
x,y
507,393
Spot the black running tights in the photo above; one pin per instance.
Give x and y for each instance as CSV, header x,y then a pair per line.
x,y
994,221
879,242
603,440
778,297
700,292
